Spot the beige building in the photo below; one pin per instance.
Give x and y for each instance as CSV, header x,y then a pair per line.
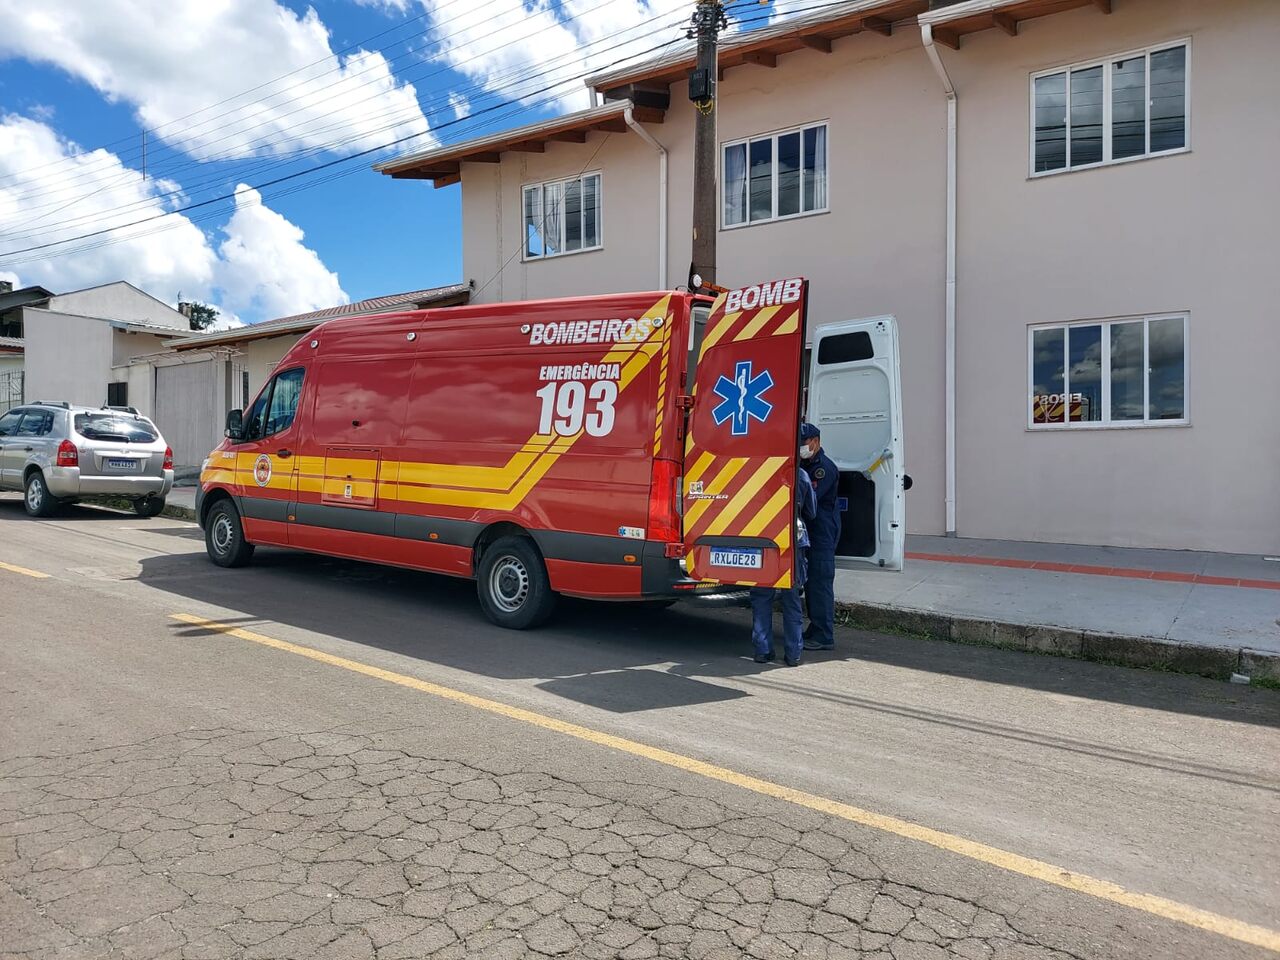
x,y
1080,259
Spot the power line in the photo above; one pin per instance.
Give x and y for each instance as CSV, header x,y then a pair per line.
x,y
517,77
339,160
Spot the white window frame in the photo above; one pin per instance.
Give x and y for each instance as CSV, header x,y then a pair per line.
x,y
1106,423
1105,63
773,135
525,256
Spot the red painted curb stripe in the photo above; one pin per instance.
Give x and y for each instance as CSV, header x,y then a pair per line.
x,y
1165,576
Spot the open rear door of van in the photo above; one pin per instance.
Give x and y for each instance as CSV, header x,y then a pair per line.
x,y
855,399
743,439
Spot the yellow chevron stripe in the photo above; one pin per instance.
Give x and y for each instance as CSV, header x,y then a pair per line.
x,y
705,459
790,325
662,390
744,495
768,513
757,323
717,485
723,327
783,539
784,582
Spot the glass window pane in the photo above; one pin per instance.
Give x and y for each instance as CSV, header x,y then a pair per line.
x,y
735,184
1086,116
1084,382
1129,108
284,401
1166,358
761,179
788,174
573,215
1169,99
1047,376
591,211
815,168
533,246
1051,122
552,222
1126,371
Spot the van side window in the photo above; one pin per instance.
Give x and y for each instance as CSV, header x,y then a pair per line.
x,y
697,330
286,390
253,420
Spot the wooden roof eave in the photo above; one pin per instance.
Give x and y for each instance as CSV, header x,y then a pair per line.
x,y
951,23
444,168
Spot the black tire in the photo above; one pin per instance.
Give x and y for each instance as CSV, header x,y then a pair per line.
x,y
512,582
37,499
148,506
224,536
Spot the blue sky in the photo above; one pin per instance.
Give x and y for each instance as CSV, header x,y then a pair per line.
x,y
236,93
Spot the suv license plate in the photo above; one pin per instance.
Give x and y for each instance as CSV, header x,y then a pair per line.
x,y
741,558
122,464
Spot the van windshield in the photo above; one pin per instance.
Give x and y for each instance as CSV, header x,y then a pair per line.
x,y
112,426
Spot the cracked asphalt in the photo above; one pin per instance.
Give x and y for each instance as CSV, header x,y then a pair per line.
x,y
166,791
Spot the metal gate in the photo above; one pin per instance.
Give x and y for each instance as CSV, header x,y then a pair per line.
x,y
185,411
11,387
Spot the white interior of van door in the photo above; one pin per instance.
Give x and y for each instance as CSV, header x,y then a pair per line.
x,y
855,399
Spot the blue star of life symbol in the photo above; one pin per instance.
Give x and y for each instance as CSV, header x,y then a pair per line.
x,y
742,399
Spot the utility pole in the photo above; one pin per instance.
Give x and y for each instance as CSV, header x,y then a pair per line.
x,y
708,21
144,153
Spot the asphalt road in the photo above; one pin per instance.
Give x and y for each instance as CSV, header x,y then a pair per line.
x,y
172,790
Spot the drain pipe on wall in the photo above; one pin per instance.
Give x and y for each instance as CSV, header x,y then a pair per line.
x,y
926,33
647,137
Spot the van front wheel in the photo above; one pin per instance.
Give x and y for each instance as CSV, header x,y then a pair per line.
x,y
512,582
224,536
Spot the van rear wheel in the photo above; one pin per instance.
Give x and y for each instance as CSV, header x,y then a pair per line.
x,y
224,536
515,591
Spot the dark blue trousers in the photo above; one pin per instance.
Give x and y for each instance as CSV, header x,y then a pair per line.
x,y
792,617
820,592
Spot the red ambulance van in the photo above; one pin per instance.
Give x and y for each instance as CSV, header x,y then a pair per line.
x,y
628,447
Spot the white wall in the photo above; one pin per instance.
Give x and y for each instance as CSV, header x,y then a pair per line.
x,y
119,301
1195,232
68,357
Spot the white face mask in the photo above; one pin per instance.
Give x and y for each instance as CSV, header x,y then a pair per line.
x,y
805,452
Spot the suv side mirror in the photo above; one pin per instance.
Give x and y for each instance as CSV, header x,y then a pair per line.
x,y
235,424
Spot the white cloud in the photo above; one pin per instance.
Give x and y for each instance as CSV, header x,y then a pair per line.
x,y
172,58
262,268
536,42
265,266
37,205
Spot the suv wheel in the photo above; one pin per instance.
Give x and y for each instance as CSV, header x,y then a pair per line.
x,y
224,536
148,506
512,581
38,500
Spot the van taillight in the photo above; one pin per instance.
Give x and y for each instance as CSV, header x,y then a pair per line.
x,y
168,458
68,455
664,523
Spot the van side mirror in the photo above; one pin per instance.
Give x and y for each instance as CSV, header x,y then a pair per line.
x,y
235,425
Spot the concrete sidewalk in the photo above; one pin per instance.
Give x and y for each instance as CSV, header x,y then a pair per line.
x,y
1208,613
1213,614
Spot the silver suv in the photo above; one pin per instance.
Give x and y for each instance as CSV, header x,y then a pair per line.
x,y
56,452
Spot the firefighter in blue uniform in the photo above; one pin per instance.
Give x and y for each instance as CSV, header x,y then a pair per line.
x,y
824,535
762,597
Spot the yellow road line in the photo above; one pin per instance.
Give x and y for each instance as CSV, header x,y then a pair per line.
x,y
981,852
12,568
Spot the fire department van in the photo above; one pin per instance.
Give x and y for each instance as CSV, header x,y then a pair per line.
x,y
637,446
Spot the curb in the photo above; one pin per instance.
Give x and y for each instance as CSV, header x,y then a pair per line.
x,y
1151,653
175,512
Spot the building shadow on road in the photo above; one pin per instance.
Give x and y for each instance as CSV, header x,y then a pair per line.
x,y
631,657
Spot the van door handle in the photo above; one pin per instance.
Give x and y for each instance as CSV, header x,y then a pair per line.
x,y
284,454
28,449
